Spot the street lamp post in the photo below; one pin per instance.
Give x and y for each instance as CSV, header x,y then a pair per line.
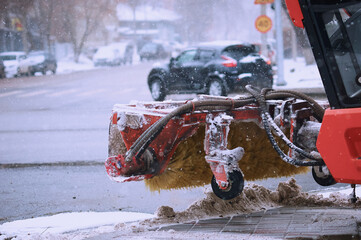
x,y
279,46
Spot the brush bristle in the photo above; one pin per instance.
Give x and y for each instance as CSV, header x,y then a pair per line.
x,y
188,168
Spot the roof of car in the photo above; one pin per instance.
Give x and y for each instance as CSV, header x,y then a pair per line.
x,y
221,44
12,53
37,52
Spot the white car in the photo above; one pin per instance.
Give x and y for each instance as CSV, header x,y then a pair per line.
x,y
11,62
114,54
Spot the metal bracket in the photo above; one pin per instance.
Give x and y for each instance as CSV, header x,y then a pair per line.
x,y
221,160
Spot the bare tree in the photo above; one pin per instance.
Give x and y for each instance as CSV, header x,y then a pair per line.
x,y
80,19
44,11
134,4
197,18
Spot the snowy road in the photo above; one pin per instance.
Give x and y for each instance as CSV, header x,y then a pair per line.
x,y
64,118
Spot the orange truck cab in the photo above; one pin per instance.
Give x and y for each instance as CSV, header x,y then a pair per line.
x,y
334,31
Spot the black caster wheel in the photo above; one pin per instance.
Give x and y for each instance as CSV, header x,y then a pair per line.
x,y
321,177
353,199
235,187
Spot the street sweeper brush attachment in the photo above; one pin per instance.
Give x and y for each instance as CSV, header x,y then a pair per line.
x,y
188,168
221,141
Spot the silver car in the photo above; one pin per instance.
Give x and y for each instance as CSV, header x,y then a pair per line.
x,y
11,62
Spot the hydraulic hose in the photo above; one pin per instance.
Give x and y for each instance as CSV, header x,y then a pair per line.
x,y
266,120
141,144
318,110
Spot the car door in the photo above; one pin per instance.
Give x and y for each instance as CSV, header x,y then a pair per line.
x,y
23,65
199,72
181,69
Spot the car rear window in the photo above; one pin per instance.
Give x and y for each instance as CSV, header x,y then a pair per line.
x,y
239,51
150,47
8,57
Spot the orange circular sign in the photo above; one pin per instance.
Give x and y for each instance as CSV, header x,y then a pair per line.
x,y
263,23
263,1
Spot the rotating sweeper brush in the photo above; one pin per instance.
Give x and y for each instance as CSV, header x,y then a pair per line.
x,y
222,141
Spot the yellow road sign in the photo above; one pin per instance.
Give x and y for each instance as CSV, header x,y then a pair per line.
x,y
263,23
16,23
263,1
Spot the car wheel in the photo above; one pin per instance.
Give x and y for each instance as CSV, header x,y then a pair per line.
x,y
157,90
216,88
30,72
2,73
18,73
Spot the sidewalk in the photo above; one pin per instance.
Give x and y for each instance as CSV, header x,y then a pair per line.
x,y
283,223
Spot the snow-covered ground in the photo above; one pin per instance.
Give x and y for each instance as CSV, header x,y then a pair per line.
x,y
67,65
81,225
299,75
130,225
60,224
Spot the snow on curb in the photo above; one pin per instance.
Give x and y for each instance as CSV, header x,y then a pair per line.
x,y
67,222
343,193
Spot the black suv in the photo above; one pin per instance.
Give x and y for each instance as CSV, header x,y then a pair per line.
x,y
152,51
211,68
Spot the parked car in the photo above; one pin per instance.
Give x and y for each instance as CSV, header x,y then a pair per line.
x,y
11,62
216,68
153,50
2,69
37,61
114,54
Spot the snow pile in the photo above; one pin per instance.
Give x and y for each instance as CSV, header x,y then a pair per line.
x,y
67,65
253,198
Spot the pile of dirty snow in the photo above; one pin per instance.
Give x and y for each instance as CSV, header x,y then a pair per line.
x,y
254,198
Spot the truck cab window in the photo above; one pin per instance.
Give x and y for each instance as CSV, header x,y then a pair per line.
x,y
343,27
